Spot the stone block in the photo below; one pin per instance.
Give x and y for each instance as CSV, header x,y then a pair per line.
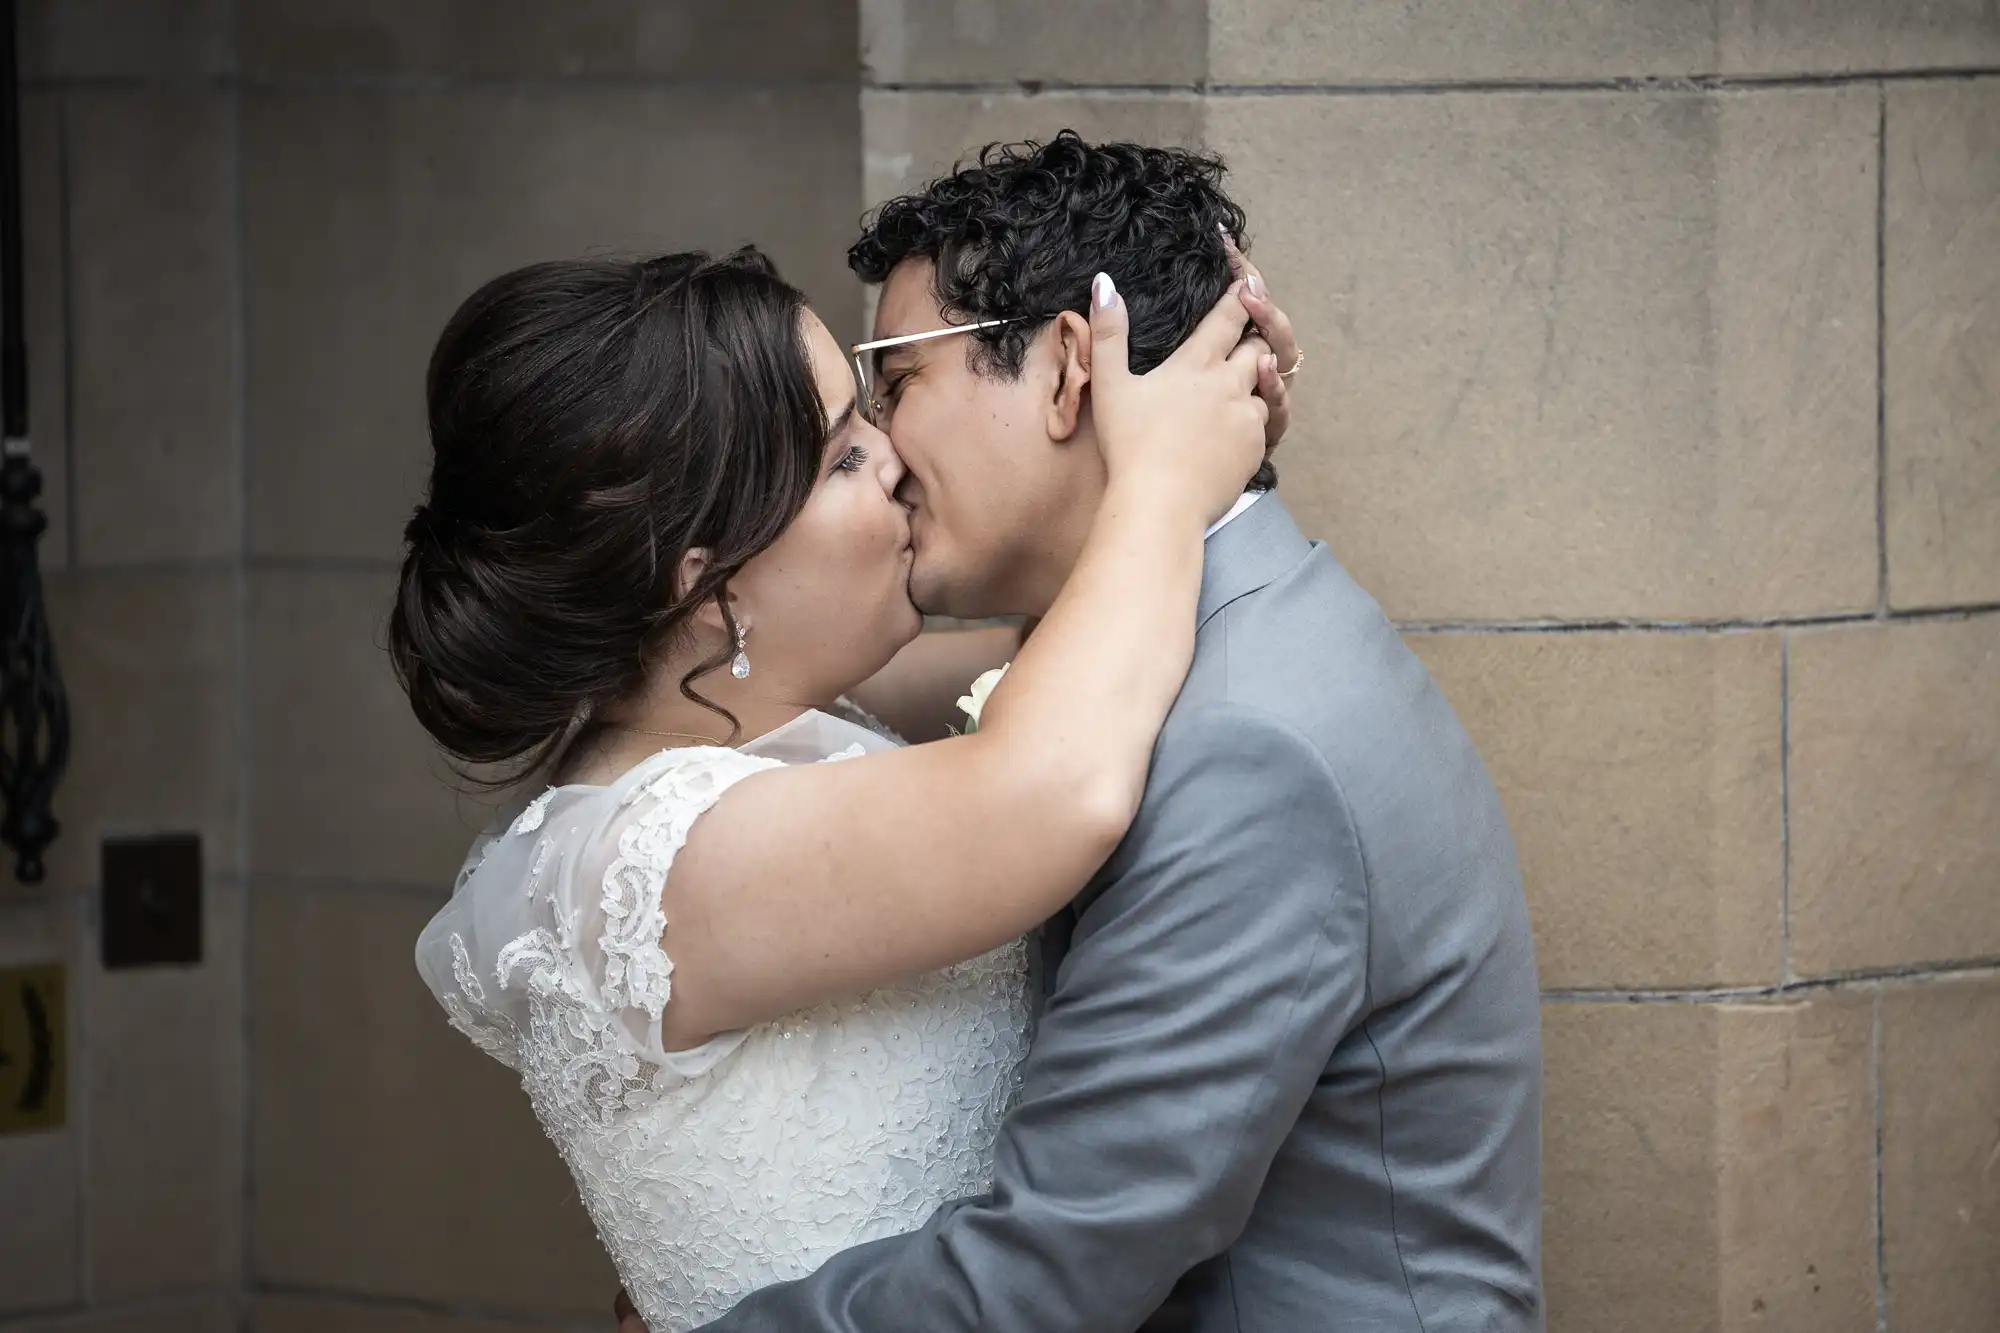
x,y
1895,794
150,659
348,785
152,239
207,1315
771,41
1094,42
369,218
1408,41
1941,316
913,137
1941,1153
302,1314
165,1185
1709,1167
391,1157
82,39
1577,356
1640,776
1849,36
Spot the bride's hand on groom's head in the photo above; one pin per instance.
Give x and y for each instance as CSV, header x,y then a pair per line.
x,y
1274,380
1192,427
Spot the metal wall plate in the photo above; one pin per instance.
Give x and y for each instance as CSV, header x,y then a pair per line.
x,y
152,901
34,1048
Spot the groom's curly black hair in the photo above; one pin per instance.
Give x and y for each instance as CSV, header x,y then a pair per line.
x,y
1024,229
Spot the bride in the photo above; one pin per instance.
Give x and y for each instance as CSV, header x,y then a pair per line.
x,y
767,1005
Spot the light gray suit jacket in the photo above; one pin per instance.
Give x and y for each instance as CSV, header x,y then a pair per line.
x,y
1288,1075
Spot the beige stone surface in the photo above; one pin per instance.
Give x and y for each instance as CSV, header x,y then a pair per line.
x,y
1629,1189
1941,1154
1408,41
348,785
1941,292
1577,356
1796,1166
280,1314
165,1088
40,1265
124,38
1895,794
1708,1167
912,137
1094,42
392,1157
1640,776
1841,36
154,388
369,218
773,40
150,659
214,1314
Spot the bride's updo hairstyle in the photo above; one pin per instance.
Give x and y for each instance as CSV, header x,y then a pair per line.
x,y
590,422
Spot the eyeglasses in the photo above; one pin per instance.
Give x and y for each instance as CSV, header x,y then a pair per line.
x,y
870,404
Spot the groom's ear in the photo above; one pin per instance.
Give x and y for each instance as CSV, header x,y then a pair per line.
x,y
1065,408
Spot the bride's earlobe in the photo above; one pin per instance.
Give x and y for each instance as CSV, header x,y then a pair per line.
x,y
710,614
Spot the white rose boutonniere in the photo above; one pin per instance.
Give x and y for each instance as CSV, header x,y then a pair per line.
x,y
973,704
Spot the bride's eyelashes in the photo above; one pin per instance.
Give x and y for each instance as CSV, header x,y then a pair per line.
x,y
852,459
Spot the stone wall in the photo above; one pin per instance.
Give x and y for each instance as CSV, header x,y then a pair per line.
x,y
1654,390
247,223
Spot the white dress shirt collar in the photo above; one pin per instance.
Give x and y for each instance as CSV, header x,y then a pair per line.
x,y
1243,502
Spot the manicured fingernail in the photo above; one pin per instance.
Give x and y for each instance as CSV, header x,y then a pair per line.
x,y
1102,292
1271,363
1256,285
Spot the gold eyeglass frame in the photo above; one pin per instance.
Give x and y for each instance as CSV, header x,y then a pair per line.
x,y
873,405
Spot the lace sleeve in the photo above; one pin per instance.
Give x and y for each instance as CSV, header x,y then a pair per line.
x,y
608,909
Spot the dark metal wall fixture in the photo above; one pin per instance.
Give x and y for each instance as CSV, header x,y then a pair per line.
x,y
34,715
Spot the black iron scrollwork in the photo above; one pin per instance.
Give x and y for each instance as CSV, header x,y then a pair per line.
x,y
34,713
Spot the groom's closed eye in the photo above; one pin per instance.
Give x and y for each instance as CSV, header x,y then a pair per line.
x,y
895,364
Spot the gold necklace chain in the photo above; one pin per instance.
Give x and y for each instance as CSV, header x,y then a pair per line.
x,y
672,735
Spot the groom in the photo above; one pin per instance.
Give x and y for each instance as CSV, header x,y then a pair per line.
x,y
1287,1072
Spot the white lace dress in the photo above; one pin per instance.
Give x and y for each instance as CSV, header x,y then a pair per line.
x,y
751,1159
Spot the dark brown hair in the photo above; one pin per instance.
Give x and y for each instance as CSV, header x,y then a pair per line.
x,y
1022,230
590,422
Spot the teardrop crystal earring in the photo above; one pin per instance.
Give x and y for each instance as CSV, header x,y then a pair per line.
x,y
740,667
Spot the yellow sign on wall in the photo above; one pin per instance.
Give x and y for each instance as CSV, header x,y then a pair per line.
x,y
34,1056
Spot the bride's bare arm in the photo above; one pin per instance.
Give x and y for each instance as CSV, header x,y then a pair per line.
x,y
820,880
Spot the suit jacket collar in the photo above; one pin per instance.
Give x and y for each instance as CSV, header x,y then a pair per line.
x,y
1259,545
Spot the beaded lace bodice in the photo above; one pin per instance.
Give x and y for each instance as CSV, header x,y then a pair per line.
x,y
757,1156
